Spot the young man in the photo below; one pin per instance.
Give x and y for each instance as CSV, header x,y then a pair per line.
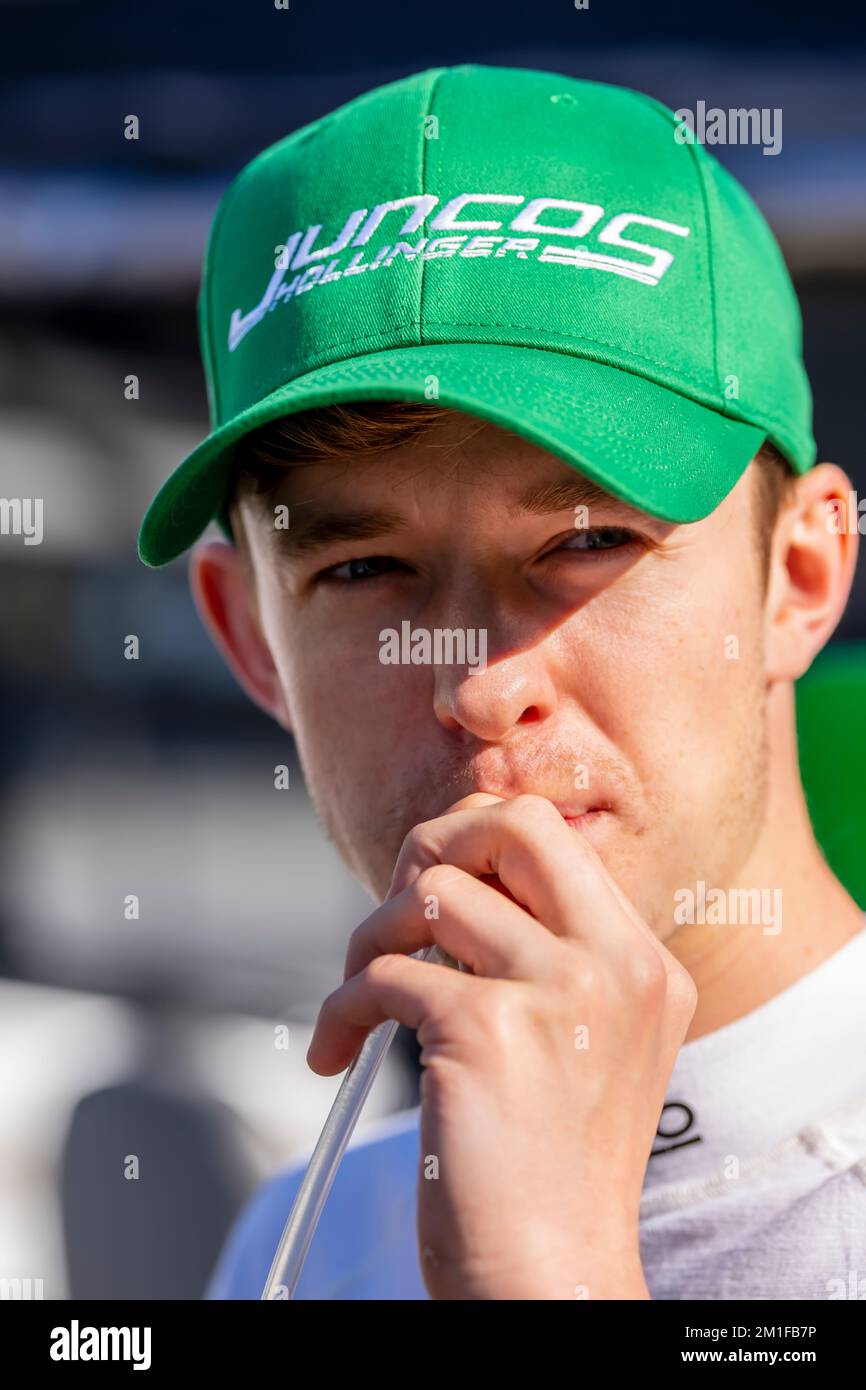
x,y
536,637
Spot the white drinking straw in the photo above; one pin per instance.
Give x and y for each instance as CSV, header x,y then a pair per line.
x,y
322,1169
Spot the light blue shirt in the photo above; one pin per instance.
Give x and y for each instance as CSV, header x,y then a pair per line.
x,y
364,1246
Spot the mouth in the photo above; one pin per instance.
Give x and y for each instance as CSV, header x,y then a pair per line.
x,y
578,817
582,820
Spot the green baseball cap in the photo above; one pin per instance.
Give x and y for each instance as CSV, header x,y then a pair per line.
x,y
556,256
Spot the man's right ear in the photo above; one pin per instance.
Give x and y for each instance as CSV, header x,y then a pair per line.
x,y
224,596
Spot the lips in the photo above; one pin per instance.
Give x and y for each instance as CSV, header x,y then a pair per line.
x,y
581,820
573,813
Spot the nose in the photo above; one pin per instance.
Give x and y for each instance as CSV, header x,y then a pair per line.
x,y
489,701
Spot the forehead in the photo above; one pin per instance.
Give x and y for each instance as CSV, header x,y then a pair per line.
x,y
460,458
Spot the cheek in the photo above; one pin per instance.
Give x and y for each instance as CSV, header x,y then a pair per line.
x,y
670,672
680,705
349,711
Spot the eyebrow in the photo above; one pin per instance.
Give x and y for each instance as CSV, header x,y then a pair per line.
x,y
542,499
317,530
325,528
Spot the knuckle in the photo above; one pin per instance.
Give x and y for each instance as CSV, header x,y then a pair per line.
x,y
530,818
424,832
381,968
413,839
355,943
434,880
530,808
683,992
580,973
649,977
495,1017
488,1017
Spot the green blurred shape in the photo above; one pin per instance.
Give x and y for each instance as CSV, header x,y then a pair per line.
x,y
831,732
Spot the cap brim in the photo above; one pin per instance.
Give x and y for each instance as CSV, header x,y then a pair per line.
x,y
646,444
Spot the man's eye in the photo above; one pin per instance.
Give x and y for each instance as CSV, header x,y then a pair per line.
x,y
352,571
599,538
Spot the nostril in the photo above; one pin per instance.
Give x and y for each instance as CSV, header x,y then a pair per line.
x,y
530,715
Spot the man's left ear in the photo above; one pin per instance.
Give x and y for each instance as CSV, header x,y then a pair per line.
x,y
812,563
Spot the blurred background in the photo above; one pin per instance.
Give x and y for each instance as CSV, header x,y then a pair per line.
x,y
159,1035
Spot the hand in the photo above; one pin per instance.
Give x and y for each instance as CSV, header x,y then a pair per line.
x,y
545,1069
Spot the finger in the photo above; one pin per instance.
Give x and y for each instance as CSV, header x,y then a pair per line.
x,y
547,866
475,799
397,987
468,918
483,799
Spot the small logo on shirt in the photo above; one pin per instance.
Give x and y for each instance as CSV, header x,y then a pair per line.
x,y
674,1129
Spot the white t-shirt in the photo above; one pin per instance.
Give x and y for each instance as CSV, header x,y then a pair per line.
x,y
755,1189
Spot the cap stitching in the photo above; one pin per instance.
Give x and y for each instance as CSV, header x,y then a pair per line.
x,y
437,77
529,347
552,332
698,165
208,285
693,156
490,323
552,392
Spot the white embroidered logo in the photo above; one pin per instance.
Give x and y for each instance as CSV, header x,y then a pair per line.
x,y
526,229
